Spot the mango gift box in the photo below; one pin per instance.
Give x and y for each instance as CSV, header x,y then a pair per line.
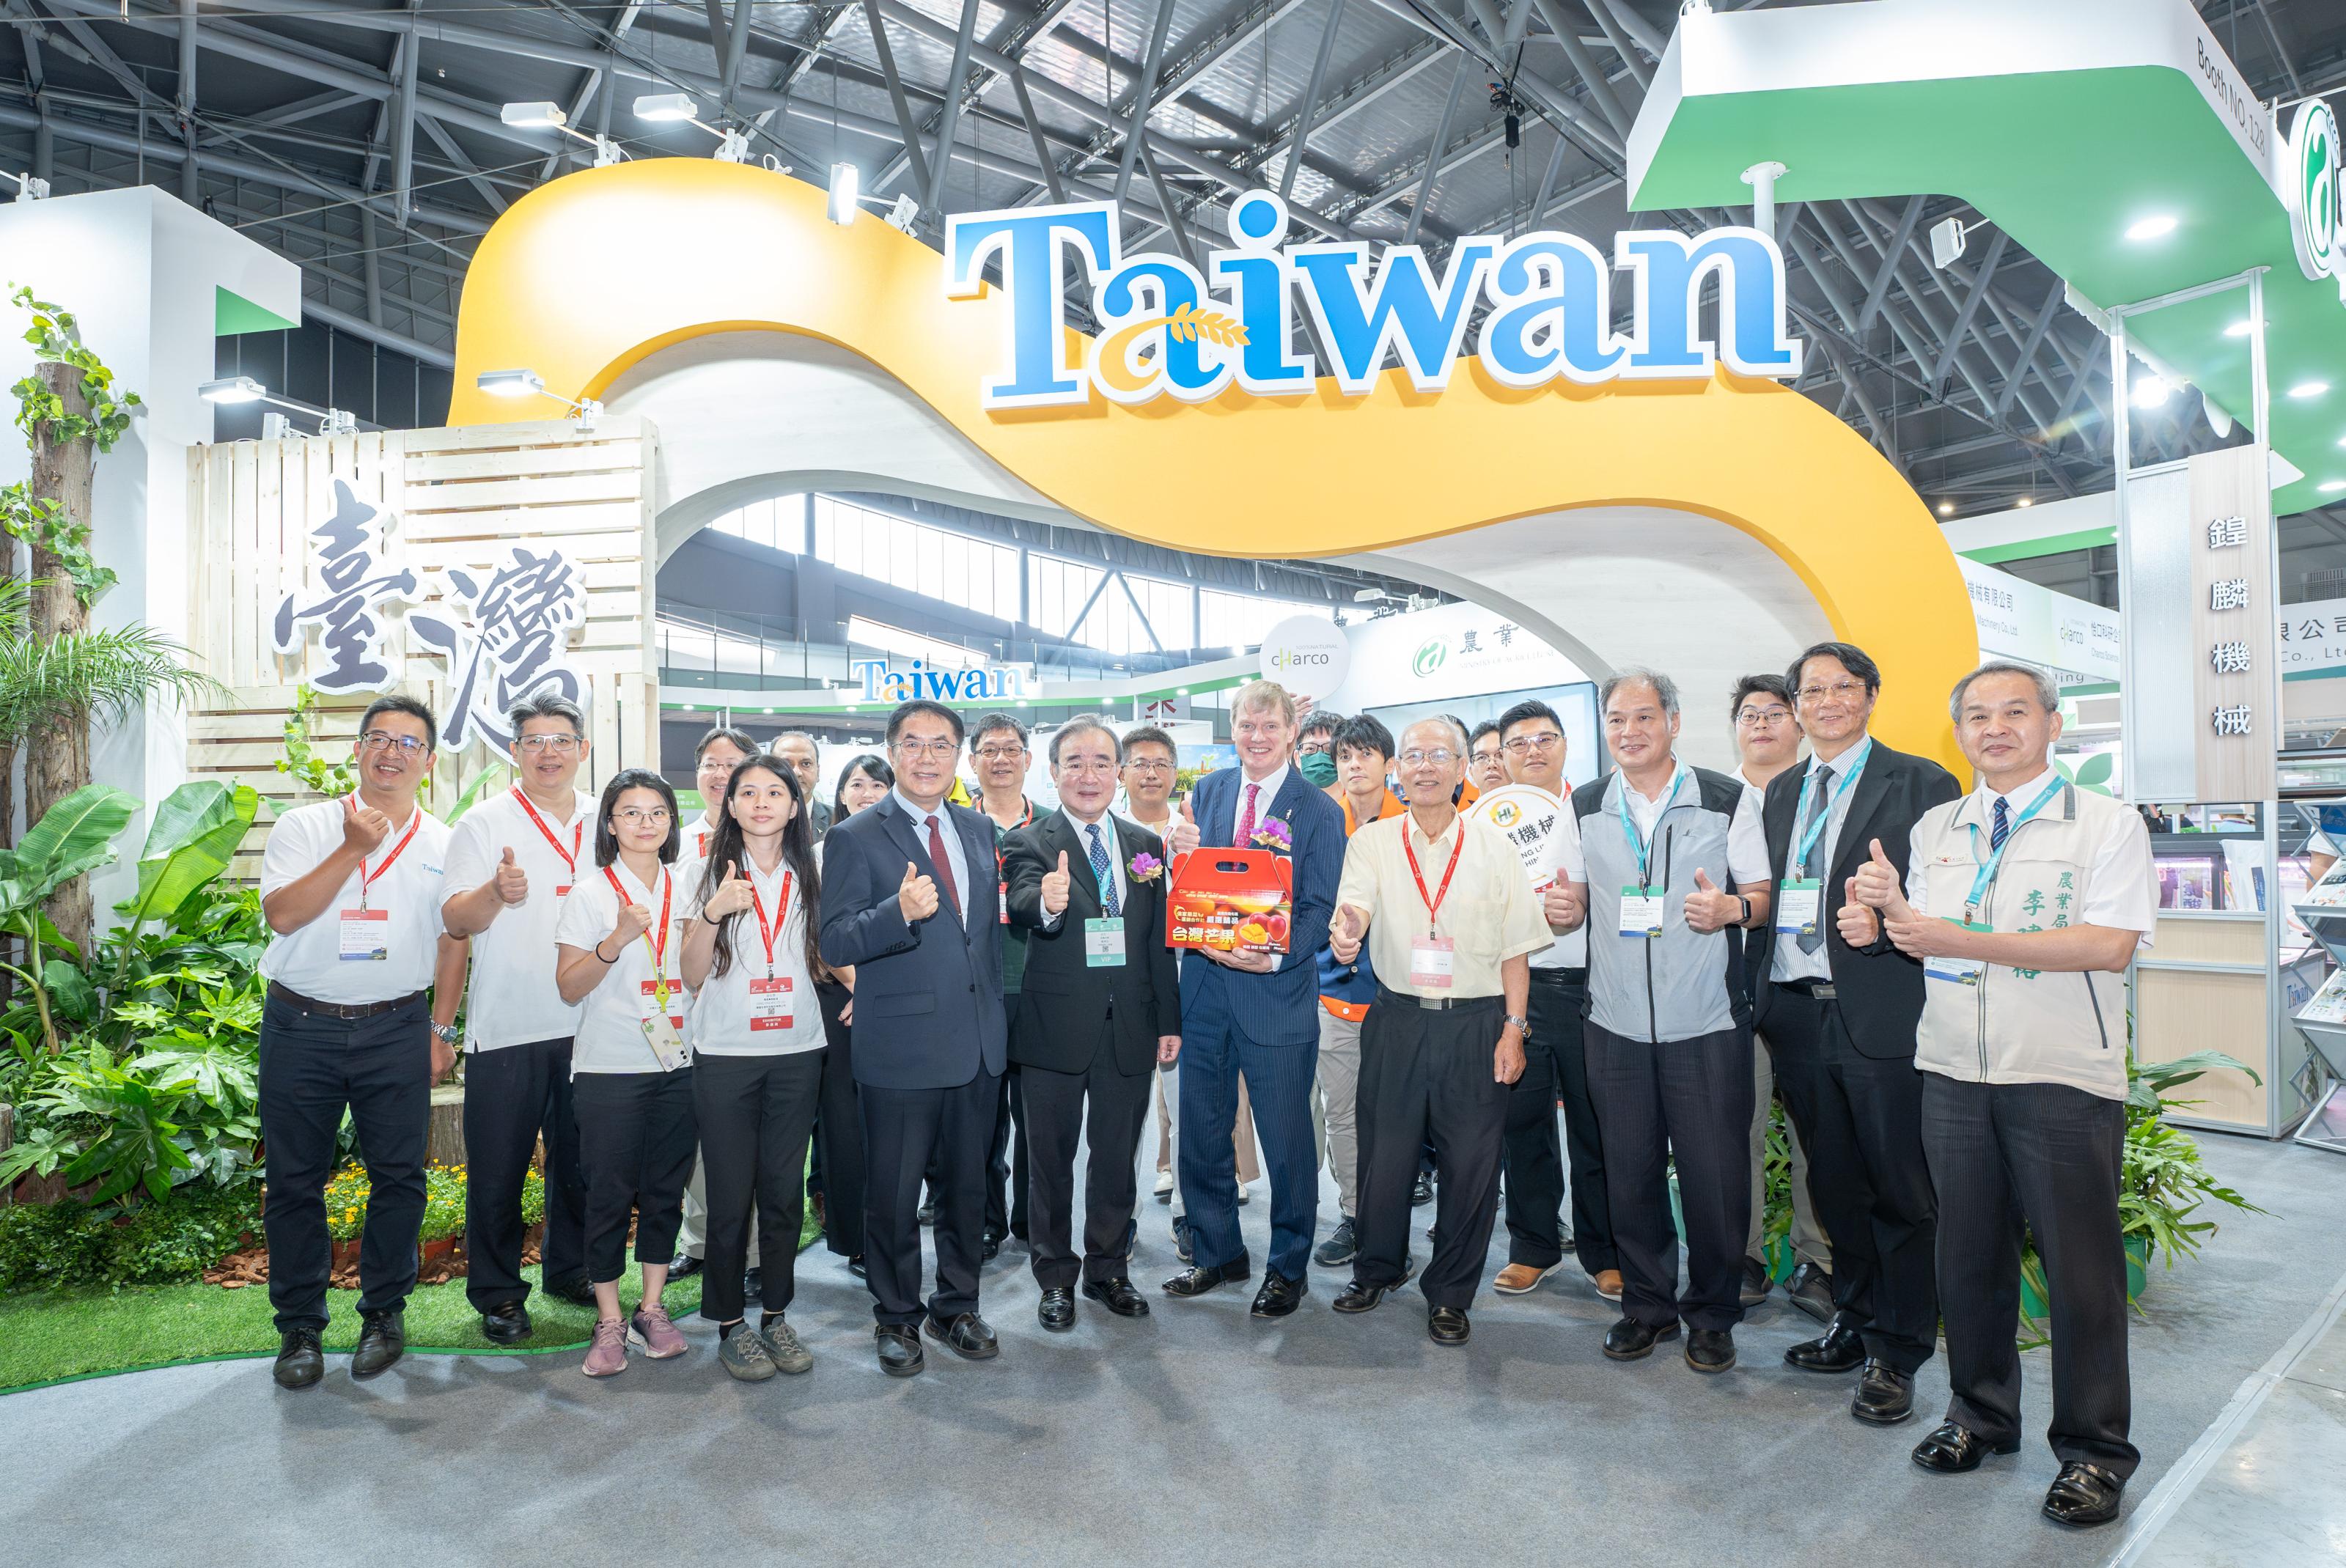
x,y
1235,900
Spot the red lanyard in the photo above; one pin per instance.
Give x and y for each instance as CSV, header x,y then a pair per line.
x,y
766,933
577,833
1433,904
1001,832
367,878
660,949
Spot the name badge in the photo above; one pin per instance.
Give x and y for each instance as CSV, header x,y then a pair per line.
x,y
1430,962
365,936
1956,970
665,1031
1797,904
770,1003
1104,943
1002,903
1641,912
563,892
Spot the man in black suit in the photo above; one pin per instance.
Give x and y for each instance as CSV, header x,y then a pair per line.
x,y
906,900
1841,1020
1100,1008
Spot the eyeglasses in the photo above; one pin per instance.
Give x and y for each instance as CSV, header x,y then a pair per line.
x,y
1148,765
1310,748
407,746
1758,716
1438,756
642,816
560,745
1090,765
1547,742
1845,690
999,753
940,749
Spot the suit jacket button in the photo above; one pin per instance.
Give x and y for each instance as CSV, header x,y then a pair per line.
x,y
973,986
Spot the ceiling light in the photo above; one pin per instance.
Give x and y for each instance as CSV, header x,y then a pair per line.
x,y
2152,228
1946,509
2331,486
658,107
2026,501
2151,391
233,389
1181,691
2240,329
540,115
2309,389
845,182
511,383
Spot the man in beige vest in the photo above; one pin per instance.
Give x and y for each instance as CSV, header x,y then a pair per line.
x,y
2025,901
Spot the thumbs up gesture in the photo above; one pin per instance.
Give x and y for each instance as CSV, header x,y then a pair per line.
x,y
1055,886
1346,931
916,895
1877,885
1708,907
634,921
732,896
513,883
1859,925
364,827
1185,832
1565,905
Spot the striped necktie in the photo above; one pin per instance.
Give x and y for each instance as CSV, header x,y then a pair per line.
x,y
1100,872
2001,828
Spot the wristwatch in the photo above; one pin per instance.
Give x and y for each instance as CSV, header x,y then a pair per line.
x,y
1523,1025
446,1033
1746,903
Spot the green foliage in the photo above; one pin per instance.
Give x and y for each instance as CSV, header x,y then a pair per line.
x,y
195,834
151,1122
443,1202
55,338
42,522
79,677
302,761
43,1246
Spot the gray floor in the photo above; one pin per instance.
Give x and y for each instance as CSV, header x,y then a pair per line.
x,y
1193,1431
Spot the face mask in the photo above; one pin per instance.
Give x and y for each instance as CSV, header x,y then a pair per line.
x,y
1317,767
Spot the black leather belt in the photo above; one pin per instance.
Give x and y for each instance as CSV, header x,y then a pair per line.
x,y
1569,975
348,1012
1385,994
1822,990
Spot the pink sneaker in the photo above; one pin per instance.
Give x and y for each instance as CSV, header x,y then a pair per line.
x,y
653,1331
607,1357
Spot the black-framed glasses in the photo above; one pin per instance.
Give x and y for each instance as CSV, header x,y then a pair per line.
x,y
408,746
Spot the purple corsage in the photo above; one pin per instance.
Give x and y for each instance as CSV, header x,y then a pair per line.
x,y
1273,834
1146,867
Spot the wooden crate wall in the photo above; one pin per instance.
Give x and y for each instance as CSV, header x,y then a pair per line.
x,y
461,497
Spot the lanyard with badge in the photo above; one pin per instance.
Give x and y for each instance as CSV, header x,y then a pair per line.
x,y
366,933
1798,902
662,1029
577,840
771,999
1967,971
1104,934
1642,902
1430,956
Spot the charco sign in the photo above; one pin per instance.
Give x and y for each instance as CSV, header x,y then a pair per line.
x,y
2311,172
1163,332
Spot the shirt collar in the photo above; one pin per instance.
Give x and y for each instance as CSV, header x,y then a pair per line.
x,y
2019,798
1840,766
1411,827
1271,787
904,804
1078,825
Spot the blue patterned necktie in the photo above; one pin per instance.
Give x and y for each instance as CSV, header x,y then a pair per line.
x,y
2001,828
1100,871
1812,936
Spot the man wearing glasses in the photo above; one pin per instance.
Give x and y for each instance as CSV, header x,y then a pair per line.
x,y
998,755
912,899
1486,758
512,862
1767,740
350,890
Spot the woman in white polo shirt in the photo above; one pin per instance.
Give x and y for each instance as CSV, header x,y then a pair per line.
x,y
758,1040
620,951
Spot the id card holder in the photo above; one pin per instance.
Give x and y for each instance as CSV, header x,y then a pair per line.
x,y
1103,942
365,936
1002,903
1430,962
1641,912
561,891
770,1003
1956,970
1797,902
665,1031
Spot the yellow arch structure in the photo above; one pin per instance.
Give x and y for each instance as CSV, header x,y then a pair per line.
x,y
587,276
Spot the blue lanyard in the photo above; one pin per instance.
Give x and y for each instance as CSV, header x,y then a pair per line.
x,y
1848,778
1984,877
1630,827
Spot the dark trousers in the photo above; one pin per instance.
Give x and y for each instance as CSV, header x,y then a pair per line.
x,y
1214,1054
839,1130
1005,1157
1426,1075
1861,1121
1056,1122
2041,1159
513,1095
1555,1068
901,1129
1690,1099
755,1115
637,1134
311,1067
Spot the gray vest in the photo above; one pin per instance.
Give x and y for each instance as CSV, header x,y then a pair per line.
x,y
1680,984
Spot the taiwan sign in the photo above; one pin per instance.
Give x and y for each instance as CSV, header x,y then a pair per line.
x,y
882,682
1167,330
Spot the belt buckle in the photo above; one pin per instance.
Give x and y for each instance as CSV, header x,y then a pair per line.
x,y
1824,991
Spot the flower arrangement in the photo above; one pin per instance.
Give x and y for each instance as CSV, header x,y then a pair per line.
x,y
1274,834
1144,867
443,1202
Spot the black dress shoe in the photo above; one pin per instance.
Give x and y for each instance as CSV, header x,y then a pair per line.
x,y
855,1266
300,1362
900,1348
1811,1290
1359,1298
1446,1325
2083,1495
1631,1340
1755,1282
1885,1396
1710,1350
575,1289
1954,1449
1279,1295
1118,1297
506,1323
1199,1278
1056,1311
1423,1193
382,1341
965,1334
686,1266
990,1246
1564,1239
1840,1349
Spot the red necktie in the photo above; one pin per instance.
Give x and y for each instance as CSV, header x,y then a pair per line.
x,y
945,868
1246,819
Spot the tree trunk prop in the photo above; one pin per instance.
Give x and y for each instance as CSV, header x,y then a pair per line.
x,y
56,762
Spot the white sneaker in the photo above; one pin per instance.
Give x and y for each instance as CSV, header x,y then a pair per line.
x,y
1164,1183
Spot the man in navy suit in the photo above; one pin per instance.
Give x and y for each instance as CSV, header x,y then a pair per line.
x,y
906,901
1256,1013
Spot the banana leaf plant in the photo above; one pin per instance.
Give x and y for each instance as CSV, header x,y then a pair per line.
x,y
196,833
74,836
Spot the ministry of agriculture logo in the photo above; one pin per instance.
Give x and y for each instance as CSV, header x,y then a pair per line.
x,y
2314,198
1430,657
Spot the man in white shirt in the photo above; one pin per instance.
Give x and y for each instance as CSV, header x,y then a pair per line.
x,y
717,753
512,861
352,892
